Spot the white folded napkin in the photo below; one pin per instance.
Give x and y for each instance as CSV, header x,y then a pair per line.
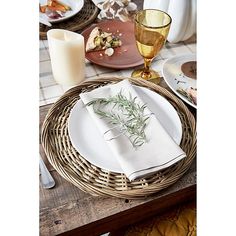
x,y
160,150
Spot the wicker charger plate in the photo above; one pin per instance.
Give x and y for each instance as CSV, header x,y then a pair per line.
x,y
89,178
85,17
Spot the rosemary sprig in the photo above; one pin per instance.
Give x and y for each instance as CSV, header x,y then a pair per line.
x,y
185,94
131,121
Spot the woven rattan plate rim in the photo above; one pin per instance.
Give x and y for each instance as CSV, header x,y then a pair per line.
x,y
85,17
96,181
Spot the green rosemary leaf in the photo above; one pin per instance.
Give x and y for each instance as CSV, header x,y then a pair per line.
x,y
146,119
133,123
185,94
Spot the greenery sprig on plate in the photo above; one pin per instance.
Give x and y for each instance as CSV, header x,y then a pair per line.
x,y
128,116
185,94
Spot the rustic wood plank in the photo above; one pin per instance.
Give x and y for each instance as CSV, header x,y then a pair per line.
x,y
93,216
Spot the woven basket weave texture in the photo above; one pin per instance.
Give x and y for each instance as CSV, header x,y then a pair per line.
x,y
89,178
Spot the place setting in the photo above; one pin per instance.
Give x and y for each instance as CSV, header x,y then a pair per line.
x,y
102,159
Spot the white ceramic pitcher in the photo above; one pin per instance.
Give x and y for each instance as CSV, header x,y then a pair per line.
x,y
183,14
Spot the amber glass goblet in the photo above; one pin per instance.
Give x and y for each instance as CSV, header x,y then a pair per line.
x,y
151,30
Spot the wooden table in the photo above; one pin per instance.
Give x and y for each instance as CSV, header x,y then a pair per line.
x,y
66,210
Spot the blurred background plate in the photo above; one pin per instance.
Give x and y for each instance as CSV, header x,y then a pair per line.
x,y
176,78
126,56
75,5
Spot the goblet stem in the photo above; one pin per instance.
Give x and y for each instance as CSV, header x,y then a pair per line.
x,y
146,74
147,64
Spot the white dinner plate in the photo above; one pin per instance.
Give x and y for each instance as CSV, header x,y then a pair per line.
x,y
88,141
175,78
75,5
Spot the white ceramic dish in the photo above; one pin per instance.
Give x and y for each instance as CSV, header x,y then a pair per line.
x,y
87,140
75,5
175,78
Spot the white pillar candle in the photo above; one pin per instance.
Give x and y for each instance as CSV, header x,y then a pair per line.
x,y
66,50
